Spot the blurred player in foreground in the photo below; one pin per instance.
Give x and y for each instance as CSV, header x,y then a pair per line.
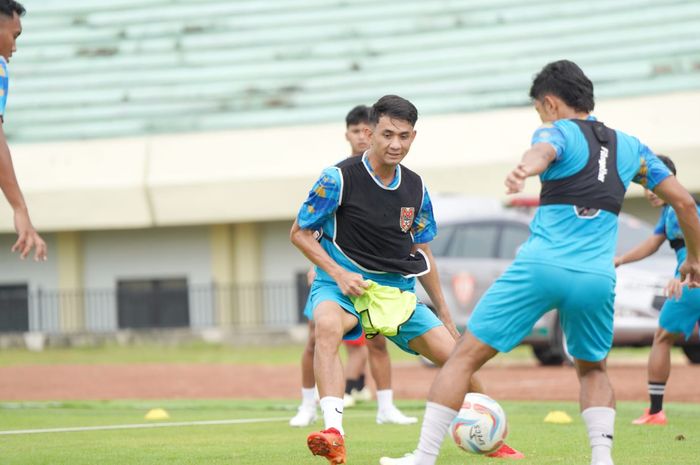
x,y
27,237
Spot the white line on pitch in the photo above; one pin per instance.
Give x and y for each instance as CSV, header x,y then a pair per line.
x,y
144,425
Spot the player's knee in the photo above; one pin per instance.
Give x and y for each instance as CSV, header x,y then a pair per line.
x,y
328,329
663,336
585,367
377,344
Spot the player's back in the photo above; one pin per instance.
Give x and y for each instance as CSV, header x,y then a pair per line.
x,y
572,236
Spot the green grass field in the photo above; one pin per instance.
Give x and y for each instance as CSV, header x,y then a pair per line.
x,y
201,352
273,442
268,440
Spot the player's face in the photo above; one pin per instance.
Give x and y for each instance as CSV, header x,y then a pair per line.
x,y
391,139
356,134
653,199
10,29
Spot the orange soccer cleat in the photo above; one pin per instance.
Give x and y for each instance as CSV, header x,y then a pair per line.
x,y
506,452
328,443
658,418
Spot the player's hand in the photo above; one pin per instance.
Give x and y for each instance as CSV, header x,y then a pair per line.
x,y
690,272
674,289
617,261
351,284
446,318
515,181
28,238
310,276
452,328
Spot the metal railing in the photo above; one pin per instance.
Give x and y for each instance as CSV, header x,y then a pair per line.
x,y
235,306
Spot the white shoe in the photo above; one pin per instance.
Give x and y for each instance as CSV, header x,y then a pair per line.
x,y
363,395
394,416
407,459
304,417
348,401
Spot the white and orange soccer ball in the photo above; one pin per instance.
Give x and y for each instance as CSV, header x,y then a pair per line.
x,y
480,427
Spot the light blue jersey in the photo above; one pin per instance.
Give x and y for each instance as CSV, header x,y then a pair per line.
x,y
318,213
567,262
678,315
4,86
558,235
669,227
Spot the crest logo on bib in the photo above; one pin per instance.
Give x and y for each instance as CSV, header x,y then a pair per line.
x,y
406,220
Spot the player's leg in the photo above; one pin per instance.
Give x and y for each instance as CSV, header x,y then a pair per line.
x,y
447,394
424,334
658,372
597,402
354,368
380,364
505,315
332,322
306,414
586,316
677,318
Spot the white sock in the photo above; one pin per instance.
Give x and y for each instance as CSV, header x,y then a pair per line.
x,y
385,400
600,422
332,408
308,398
435,425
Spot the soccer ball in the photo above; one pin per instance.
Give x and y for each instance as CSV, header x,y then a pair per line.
x,y
480,427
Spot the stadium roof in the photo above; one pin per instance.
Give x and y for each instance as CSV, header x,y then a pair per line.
x,y
95,68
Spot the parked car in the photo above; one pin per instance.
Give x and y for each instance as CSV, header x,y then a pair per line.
x,y
479,237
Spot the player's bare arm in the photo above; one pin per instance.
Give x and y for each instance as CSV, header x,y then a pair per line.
x,y
348,282
431,283
673,193
647,248
535,160
27,237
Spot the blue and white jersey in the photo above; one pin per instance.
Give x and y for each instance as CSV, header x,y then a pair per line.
x,y
669,227
4,86
558,235
318,213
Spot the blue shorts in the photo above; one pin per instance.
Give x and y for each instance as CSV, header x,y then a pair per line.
x,y
680,316
526,291
421,322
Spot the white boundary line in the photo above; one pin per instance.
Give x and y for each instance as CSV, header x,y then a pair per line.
x,y
144,425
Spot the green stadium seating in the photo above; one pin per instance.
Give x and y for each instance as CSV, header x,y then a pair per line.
x,y
91,68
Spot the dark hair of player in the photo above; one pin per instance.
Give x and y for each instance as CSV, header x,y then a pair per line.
x,y
565,80
359,114
394,107
668,162
10,7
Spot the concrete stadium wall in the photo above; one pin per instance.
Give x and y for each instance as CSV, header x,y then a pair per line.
x,y
263,174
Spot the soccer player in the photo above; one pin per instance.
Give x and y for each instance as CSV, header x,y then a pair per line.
x,y
678,314
360,349
376,220
27,237
567,262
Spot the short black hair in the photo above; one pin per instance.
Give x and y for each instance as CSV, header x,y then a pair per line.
x,y
395,107
359,114
565,80
10,7
668,162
